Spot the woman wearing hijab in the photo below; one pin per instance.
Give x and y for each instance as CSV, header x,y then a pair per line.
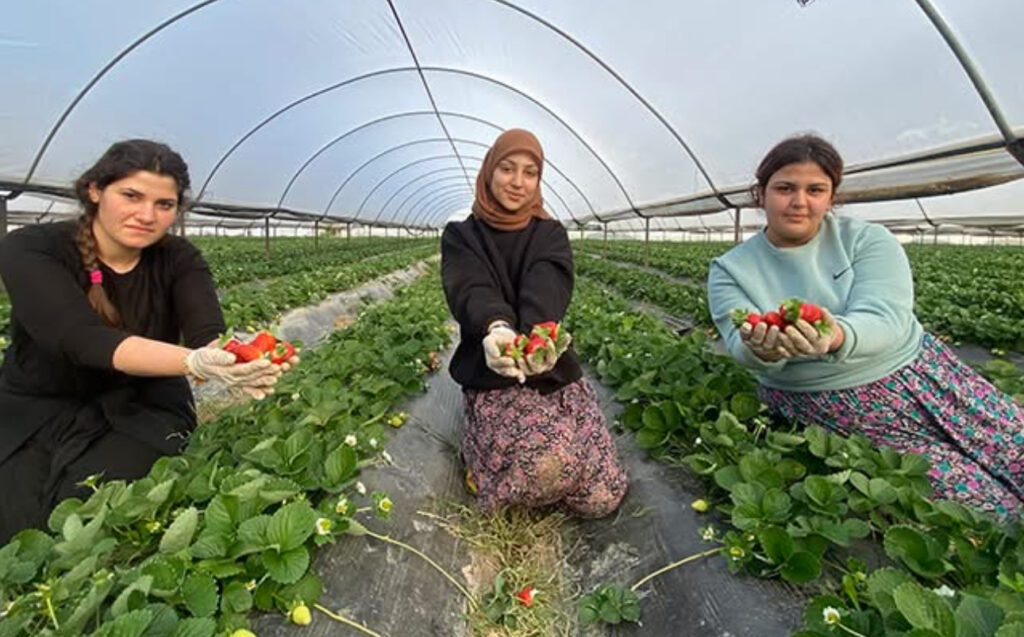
x,y
534,433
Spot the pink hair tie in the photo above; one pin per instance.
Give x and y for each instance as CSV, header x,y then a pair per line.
x,y
96,277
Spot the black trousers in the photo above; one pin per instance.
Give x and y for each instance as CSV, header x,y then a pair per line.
x,y
32,483
119,435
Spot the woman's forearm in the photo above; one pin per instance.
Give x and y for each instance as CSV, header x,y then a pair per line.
x,y
139,356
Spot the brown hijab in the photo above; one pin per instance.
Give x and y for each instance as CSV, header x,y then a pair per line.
x,y
485,206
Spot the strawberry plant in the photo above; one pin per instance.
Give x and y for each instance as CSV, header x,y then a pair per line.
x,y
235,260
799,502
229,526
680,299
260,303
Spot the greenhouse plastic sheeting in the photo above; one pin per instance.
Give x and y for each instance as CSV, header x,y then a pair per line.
x,y
381,110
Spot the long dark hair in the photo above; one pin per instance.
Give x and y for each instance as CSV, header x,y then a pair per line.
x,y
797,150
121,160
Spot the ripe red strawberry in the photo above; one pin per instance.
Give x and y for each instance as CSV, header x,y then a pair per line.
x,y
548,328
810,312
535,343
795,309
244,353
774,319
282,352
526,595
264,342
516,348
741,315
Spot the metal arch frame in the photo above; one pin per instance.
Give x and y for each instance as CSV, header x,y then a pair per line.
x,y
549,187
632,91
434,206
438,206
417,191
437,210
138,42
403,167
380,183
327,208
438,189
325,147
351,175
1013,145
437,69
553,190
557,118
441,207
473,118
426,87
99,75
442,169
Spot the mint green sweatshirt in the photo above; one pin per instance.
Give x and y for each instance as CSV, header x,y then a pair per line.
x,y
856,269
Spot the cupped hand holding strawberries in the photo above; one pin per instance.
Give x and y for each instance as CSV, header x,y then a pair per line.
x,y
521,355
798,328
253,367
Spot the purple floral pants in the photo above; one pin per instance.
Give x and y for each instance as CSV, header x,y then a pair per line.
x,y
936,406
528,449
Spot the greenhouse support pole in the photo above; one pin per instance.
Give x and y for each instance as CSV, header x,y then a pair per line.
x,y
3,216
581,233
604,246
737,235
348,230
316,233
1014,146
385,232
647,242
266,236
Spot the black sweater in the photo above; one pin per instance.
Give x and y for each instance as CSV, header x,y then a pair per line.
x,y
524,277
61,353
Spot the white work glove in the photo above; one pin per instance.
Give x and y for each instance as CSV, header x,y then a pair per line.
x,y
532,364
255,378
499,334
764,342
803,339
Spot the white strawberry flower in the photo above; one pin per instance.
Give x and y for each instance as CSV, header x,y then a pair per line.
x,y
341,508
323,526
830,615
944,591
373,443
351,440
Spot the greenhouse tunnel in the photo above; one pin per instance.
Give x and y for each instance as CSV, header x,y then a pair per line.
x,y
351,120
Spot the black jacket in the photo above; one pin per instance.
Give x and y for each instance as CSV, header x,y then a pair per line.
x,y
59,364
524,277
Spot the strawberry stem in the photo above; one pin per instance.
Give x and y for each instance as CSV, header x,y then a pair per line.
x,y
685,560
389,540
348,622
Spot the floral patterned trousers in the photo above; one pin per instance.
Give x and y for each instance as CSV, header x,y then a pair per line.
x,y
524,448
938,407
